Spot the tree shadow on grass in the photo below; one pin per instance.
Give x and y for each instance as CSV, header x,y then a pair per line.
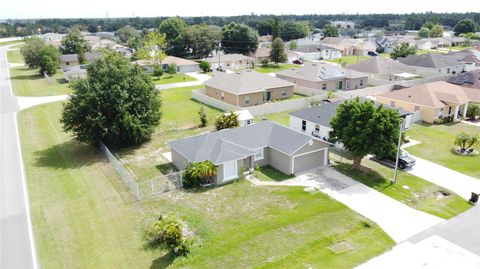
x,y
367,176
27,77
162,262
67,155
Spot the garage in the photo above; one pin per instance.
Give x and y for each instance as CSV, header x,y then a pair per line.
x,y
309,160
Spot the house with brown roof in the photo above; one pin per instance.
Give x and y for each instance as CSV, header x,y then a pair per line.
x,y
324,76
430,101
350,46
382,68
247,88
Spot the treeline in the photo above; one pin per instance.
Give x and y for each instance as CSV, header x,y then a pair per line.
x,y
387,21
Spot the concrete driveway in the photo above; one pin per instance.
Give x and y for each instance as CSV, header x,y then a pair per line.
x,y
395,218
442,176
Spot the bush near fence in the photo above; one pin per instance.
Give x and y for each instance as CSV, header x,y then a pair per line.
x,y
144,189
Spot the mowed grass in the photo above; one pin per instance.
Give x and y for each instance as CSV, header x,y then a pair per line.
x,y
272,68
351,59
269,173
82,218
409,189
437,143
14,56
175,78
180,119
29,82
6,43
79,218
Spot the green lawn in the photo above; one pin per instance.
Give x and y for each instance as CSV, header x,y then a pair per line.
x,y
272,68
437,142
282,118
29,82
269,173
348,59
14,56
180,119
82,217
6,43
410,190
175,78
460,47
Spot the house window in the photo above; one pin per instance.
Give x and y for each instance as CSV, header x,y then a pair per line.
x,y
67,63
361,82
258,154
247,99
284,93
416,108
392,103
449,110
317,127
324,86
304,125
339,85
223,96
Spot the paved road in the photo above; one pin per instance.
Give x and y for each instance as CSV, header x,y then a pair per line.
x,y
17,248
398,220
457,182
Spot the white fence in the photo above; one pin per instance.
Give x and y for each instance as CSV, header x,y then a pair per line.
x,y
258,110
144,189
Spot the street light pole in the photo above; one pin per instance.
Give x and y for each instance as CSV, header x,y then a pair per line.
x,y
402,122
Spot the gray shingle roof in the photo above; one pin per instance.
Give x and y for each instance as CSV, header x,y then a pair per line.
x,y
232,144
245,82
90,56
324,113
380,65
320,72
429,60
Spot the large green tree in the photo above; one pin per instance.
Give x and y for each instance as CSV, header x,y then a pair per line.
x,y
402,51
294,30
202,40
330,30
30,51
174,29
116,103
424,32
126,33
276,28
365,129
152,48
239,38
277,51
464,26
49,59
74,42
436,31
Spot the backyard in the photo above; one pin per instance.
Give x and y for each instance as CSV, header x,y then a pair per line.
x,y
437,143
272,68
83,217
175,78
29,82
410,190
348,59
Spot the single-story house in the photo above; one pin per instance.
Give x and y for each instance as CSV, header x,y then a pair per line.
x,y
228,61
241,149
69,60
432,64
343,24
459,41
183,65
382,68
440,42
349,46
431,101
469,58
467,79
315,120
247,88
324,76
317,52
75,72
264,53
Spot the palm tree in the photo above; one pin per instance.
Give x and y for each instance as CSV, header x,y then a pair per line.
x,y
465,141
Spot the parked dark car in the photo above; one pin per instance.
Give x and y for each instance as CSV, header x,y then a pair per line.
x,y
404,160
372,53
297,62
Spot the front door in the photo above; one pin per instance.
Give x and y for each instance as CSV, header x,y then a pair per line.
x,y
267,96
230,170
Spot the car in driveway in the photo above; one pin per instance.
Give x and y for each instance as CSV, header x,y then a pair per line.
x,y
404,160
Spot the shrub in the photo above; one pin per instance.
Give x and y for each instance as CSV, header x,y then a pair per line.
x,y
226,121
203,117
198,173
465,140
205,66
473,110
166,233
439,121
265,62
157,70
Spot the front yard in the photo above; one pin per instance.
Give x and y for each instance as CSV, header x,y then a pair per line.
x,y
268,173
409,189
348,59
437,143
83,218
29,82
175,78
14,56
272,68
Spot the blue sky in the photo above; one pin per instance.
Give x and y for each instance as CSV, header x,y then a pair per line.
x,y
145,8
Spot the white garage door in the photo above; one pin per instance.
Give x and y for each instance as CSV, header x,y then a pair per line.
x,y
308,161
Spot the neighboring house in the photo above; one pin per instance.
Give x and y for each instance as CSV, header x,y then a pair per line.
x,y
75,72
348,46
264,53
423,44
343,24
69,60
382,68
234,151
467,79
432,100
315,120
229,61
317,52
459,41
469,58
432,64
324,76
440,42
183,65
244,117
247,88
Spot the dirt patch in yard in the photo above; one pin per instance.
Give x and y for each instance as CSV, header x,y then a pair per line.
x,y
341,247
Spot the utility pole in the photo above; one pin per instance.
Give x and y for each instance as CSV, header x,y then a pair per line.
x,y
402,123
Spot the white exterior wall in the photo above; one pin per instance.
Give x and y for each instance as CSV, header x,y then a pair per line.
x,y
188,68
296,124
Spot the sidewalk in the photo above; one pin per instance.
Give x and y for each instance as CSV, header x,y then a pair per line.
x,y
395,218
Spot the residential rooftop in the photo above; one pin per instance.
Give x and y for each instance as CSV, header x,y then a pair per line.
x,y
320,72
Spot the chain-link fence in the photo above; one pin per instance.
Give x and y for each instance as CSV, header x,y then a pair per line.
x,y
144,189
